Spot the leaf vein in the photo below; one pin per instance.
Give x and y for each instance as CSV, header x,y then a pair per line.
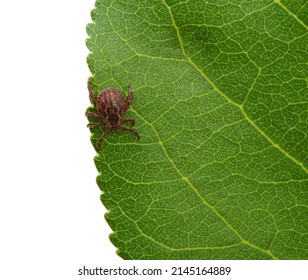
x,y
275,145
189,183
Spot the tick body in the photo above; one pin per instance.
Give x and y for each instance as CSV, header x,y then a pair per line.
x,y
111,106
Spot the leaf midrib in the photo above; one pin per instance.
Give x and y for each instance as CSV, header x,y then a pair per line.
x,y
290,13
246,117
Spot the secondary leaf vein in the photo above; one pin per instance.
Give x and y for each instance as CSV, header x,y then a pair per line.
x,y
275,145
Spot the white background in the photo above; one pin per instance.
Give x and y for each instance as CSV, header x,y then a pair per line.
x,y
51,216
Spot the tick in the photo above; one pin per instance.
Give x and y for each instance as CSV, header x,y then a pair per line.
x,y
111,106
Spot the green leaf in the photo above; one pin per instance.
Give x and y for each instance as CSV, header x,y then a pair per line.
x,y
220,102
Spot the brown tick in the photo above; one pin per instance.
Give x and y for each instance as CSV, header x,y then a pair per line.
x,y
111,106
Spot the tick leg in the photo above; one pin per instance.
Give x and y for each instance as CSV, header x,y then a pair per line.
x,y
91,114
95,124
91,97
130,130
101,140
129,97
131,121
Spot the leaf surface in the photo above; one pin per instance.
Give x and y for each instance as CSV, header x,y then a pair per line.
x,y
220,102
